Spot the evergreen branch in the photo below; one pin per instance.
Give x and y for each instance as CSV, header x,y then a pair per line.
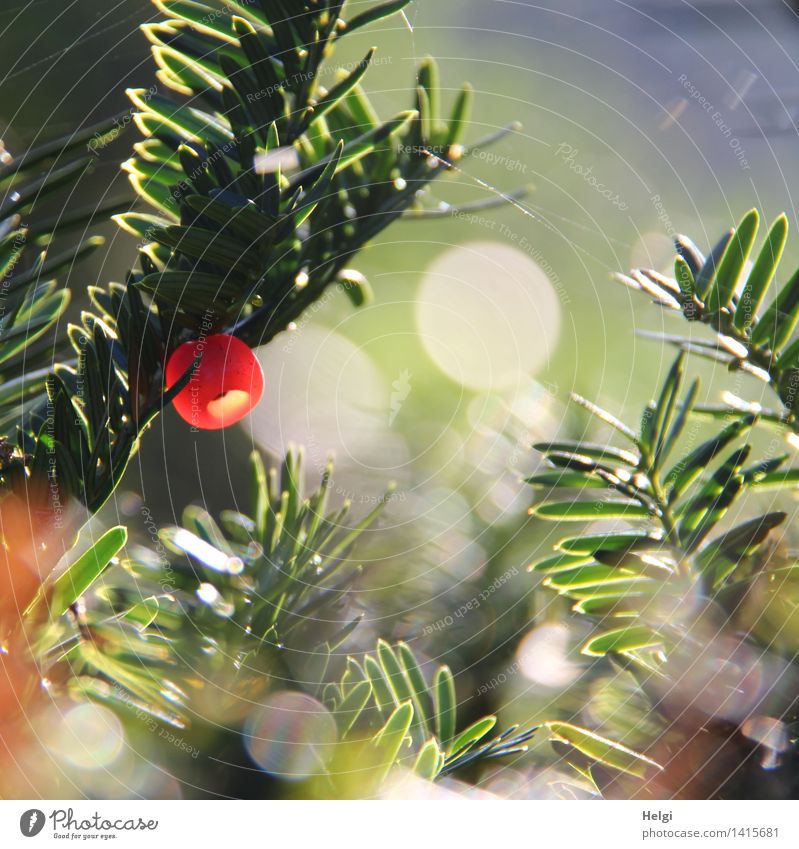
x,y
263,185
375,687
720,292
621,574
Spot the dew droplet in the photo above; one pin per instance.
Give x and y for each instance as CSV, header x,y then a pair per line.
x,y
211,596
170,695
198,548
207,593
235,566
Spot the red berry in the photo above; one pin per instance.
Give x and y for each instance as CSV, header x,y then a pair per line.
x,y
224,387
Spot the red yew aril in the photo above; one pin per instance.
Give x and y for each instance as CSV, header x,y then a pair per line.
x,y
226,384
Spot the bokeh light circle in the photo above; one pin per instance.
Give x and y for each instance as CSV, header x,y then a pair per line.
x,y
291,736
487,314
86,736
544,656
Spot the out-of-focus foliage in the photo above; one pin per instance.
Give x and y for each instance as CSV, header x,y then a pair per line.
x,y
196,634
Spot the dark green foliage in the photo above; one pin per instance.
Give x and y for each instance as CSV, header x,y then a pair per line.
x,y
251,250
31,302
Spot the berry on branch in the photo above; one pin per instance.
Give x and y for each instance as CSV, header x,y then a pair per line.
x,y
225,385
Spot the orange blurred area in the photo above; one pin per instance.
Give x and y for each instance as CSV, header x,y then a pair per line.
x,y
32,541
